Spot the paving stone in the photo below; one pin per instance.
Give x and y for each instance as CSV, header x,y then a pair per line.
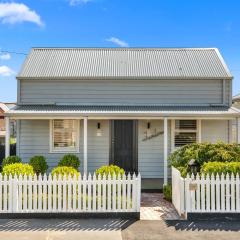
x,y
155,207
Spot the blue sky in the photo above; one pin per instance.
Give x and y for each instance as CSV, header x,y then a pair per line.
x,y
113,23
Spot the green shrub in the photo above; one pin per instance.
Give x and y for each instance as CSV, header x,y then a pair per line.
x,y
61,171
18,168
11,160
220,167
111,169
39,164
69,160
167,192
204,152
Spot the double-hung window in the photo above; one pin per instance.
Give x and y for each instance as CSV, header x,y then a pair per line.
x,y
64,135
185,132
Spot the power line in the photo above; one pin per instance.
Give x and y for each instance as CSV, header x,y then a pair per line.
x,y
18,53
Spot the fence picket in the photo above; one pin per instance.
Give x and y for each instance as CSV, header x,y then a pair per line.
x,y
114,192
134,197
24,193
213,193
10,192
99,193
44,197
109,192
227,193
104,193
232,184
69,195
89,187
237,193
74,193
40,193
124,192
119,193
84,193
94,200
49,192
19,194
59,193
54,193
218,197
128,191
198,193
222,183
79,193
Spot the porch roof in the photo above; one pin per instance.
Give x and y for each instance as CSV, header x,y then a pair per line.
x,y
78,111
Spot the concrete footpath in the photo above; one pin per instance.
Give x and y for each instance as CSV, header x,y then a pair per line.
x,y
182,230
61,229
116,229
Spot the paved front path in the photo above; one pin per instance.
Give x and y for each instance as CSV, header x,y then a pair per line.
x,y
155,207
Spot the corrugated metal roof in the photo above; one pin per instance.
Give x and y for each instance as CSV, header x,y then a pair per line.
x,y
124,63
160,110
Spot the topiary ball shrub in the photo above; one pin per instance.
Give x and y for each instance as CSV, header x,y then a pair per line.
x,y
221,168
61,171
111,169
167,192
39,164
18,169
70,160
11,160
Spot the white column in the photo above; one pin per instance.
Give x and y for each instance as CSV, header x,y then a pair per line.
x,y
238,130
199,128
7,137
85,126
165,150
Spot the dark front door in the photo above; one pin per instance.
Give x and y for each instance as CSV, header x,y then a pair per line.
x,y
124,144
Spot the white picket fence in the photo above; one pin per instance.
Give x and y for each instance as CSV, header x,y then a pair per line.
x,y
206,194
47,194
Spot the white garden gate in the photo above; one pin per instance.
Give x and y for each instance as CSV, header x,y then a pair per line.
x,y
206,194
86,194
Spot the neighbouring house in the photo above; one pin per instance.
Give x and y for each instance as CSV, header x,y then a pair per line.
x,y
126,106
4,107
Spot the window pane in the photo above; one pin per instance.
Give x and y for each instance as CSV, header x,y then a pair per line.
x,y
64,134
186,124
182,139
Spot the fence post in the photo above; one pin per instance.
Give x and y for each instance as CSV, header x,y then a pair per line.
x,y
138,192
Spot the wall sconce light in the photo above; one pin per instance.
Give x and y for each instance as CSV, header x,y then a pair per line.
x,y
99,130
148,129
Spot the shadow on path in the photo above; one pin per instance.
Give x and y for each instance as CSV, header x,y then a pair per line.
x,y
14,225
204,225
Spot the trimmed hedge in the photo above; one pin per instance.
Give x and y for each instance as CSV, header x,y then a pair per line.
x,y
18,168
202,153
69,160
11,160
221,167
61,171
111,169
39,164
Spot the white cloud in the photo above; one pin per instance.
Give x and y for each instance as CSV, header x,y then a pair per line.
x,y
17,13
77,2
118,42
5,56
5,71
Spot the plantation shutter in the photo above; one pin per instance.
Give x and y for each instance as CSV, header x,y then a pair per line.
x,y
64,134
185,132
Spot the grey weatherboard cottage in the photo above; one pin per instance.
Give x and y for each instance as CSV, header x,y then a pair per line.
x,y
128,106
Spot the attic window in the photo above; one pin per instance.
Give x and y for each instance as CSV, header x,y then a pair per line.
x,y
185,132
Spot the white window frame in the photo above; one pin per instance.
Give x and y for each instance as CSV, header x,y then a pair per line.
x,y
174,130
63,150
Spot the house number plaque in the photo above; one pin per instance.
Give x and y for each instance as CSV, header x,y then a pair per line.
x,y
193,186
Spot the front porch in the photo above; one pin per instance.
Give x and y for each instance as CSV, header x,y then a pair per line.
x,y
157,134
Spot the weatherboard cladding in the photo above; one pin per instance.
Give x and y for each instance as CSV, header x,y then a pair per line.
x,y
124,63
